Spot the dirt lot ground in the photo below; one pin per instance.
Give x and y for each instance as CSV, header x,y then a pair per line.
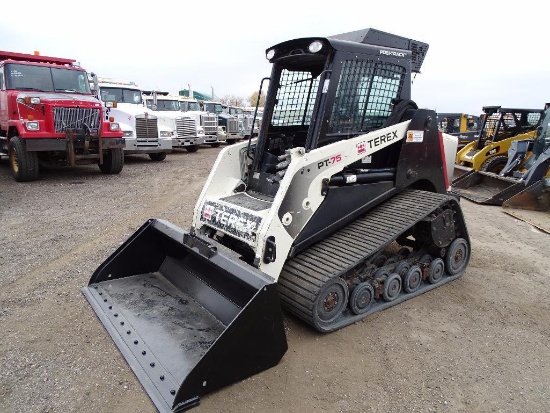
x,y
478,344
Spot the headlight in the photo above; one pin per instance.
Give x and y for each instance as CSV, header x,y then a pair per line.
x,y
34,125
110,104
128,133
114,126
270,53
165,134
315,46
200,131
35,101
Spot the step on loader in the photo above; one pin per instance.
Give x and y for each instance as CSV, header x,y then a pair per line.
x,y
528,162
337,210
500,127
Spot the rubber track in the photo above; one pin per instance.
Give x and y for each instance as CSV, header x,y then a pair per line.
x,y
304,275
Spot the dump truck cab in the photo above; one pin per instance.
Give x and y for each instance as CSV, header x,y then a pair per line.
x,y
48,115
186,132
142,132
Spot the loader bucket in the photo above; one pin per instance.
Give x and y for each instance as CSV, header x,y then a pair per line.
x,y
486,188
460,171
188,315
532,205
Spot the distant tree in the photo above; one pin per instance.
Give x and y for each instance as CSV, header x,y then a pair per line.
x,y
254,98
233,100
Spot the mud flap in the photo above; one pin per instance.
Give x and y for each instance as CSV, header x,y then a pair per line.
x,y
532,205
186,313
486,188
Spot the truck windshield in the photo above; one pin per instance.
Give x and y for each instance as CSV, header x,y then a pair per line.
x,y
214,108
192,106
46,79
165,105
120,95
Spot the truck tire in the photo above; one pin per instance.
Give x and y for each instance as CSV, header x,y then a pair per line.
x,y
192,148
494,164
23,164
113,161
157,157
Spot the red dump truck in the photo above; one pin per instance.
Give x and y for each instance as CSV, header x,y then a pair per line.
x,y
50,116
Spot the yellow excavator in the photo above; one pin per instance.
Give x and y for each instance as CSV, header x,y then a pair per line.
x,y
501,126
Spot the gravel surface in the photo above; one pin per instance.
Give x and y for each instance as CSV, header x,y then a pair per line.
x,y
478,344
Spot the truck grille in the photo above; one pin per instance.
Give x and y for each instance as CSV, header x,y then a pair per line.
x,y
186,127
232,125
210,124
76,118
147,128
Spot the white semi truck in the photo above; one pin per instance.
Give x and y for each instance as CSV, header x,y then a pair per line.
x,y
214,134
229,122
142,132
187,131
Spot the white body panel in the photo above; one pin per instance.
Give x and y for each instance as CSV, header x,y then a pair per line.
x,y
328,160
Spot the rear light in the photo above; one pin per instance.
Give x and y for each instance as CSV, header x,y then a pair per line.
x,y
114,127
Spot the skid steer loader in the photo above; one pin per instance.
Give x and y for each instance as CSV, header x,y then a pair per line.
x,y
528,162
501,126
337,210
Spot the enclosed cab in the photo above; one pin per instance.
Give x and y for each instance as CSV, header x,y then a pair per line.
x,y
229,123
186,131
49,115
142,132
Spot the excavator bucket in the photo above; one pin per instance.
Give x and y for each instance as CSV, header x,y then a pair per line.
x,y
189,317
486,188
532,205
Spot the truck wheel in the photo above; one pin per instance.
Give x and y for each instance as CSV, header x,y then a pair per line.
x,y
494,164
23,164
215,144
157,157
113,161
192,148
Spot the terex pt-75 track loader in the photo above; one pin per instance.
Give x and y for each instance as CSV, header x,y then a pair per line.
x,y
338,209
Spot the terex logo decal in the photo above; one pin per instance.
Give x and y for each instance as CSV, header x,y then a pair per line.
x,y
376,141
392,53
330,161
231,220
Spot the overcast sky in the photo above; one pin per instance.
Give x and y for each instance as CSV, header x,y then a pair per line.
x,y
480,53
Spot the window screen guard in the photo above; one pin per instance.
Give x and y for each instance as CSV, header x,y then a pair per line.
x,y
295,99
364,96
